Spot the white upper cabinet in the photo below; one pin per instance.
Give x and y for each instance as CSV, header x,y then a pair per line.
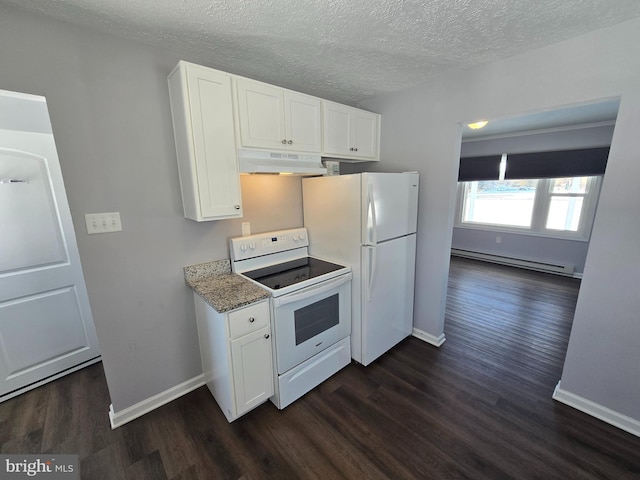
x,y
216,113
350,133
278,119
203,122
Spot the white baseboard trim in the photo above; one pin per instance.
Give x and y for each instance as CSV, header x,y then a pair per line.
x,y
427,337
145,406
605,414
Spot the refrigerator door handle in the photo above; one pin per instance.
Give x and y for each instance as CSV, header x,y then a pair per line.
x,y
372,270
372,234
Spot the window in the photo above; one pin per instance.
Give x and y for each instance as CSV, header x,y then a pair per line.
x,y
566,203
499,202
561,207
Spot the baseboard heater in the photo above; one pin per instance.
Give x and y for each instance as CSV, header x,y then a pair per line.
x,y
515,262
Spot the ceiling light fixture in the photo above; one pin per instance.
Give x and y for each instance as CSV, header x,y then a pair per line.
x,y
477,125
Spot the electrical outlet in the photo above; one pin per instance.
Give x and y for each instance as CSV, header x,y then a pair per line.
x,y
246,229
498,239
103,222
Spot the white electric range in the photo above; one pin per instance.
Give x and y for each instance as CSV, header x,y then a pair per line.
x,y
310,308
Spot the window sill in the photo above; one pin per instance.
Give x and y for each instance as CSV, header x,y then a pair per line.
x,y
516,231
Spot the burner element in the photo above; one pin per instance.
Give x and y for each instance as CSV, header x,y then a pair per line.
x,y
289,273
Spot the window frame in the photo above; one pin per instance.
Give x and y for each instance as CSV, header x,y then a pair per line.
x,y
542,202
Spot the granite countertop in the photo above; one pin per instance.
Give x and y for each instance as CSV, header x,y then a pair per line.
x,y
221,288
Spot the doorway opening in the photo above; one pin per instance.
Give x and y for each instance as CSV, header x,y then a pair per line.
x,y
527,196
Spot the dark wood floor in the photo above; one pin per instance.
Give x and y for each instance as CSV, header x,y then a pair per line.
x,y
479,407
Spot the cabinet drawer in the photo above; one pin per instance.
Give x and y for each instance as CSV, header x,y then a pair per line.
x,y
247,319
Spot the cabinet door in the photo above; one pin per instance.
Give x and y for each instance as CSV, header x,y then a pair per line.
x,y
336,129
350,133
213,136
302,122
202,111
252,369
261,115
364,131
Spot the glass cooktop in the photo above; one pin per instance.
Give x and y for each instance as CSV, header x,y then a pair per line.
x,y
292,272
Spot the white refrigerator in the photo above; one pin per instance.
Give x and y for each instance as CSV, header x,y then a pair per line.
x,y
368,221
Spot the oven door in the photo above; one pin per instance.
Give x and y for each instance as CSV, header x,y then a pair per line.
x,y
309,320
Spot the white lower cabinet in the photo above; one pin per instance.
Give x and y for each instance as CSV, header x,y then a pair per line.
x,y
249,356
236,354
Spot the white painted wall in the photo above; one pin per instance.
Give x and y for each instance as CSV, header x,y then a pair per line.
x,y
109,106
420,131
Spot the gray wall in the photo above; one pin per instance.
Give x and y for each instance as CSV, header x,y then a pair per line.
x,y
110,114
561,139
556,251
421,131
109,108
519,245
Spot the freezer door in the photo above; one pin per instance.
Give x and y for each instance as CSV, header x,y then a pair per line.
x,y
390,206
387,296
332,217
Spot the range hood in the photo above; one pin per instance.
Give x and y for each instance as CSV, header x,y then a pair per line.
x,y
258,161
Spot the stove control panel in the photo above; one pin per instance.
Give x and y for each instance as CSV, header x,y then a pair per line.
x,y
250,246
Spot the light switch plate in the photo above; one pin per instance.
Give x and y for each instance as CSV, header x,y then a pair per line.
x,y
103,222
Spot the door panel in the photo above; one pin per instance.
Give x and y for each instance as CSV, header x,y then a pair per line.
x,y
46,325
28,321
213,140
31,234
387,295
261,114
252,369
394,197
292,350
336,136
302,117
365,128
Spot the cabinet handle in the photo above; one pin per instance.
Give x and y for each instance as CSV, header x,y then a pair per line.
x,y
237,207
266,335
284,142
13,180
290,142
251,319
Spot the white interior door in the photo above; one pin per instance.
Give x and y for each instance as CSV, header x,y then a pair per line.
x,y
46,327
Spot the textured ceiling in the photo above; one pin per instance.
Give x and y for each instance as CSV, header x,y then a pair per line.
x,y
346,50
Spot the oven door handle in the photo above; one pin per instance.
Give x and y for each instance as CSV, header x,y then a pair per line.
x,y
312,291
